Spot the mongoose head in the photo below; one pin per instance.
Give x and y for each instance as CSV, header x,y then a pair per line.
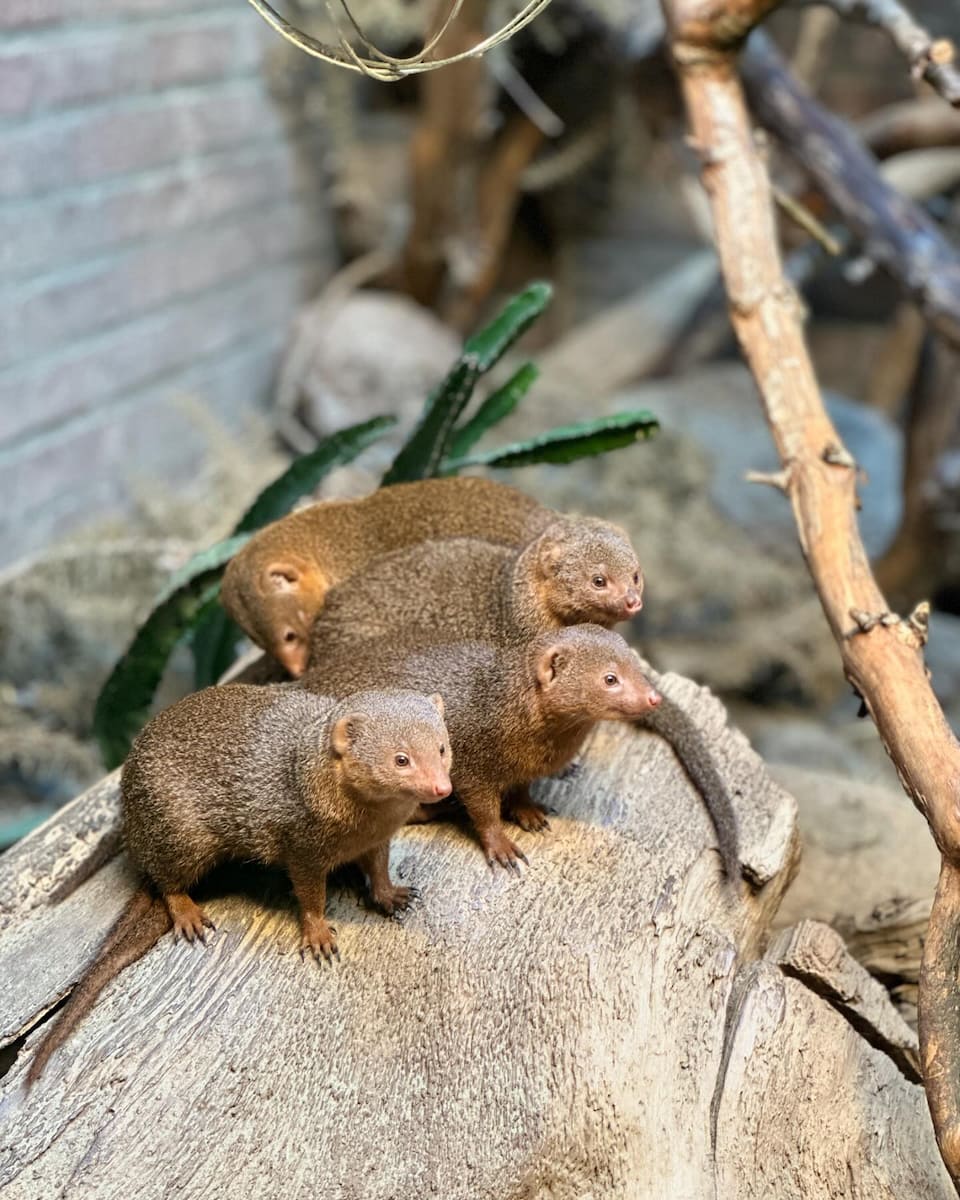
x,y
589,572
392,743
587,672
292,594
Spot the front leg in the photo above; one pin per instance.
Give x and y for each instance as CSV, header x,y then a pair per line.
x,y
386,895
520,807
483,805
316,934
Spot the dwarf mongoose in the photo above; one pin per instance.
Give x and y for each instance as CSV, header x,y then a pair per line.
x,y
515,713
276,585
274,775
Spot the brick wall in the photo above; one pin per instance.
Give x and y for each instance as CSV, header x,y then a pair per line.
x,y
161,219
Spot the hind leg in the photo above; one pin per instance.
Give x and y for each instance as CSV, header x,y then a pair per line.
x,y
388,896
189,920
520,807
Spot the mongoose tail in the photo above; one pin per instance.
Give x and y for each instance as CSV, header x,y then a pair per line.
x,y
141,925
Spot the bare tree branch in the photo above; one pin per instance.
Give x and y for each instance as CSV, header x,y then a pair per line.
x,y
930,58
898,235
882,654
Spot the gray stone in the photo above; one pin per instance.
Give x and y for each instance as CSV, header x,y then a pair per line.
x,y
861,846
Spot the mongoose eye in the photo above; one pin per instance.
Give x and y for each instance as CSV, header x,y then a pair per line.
x,y
290,636
636,577
599,581
610,679
402,760
443,751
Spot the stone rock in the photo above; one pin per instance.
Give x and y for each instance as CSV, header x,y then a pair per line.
x,y
861,846
373,354
840,743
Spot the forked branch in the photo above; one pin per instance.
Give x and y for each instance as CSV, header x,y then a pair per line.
x,y
882,656
929,58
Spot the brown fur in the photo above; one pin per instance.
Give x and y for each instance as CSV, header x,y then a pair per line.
x,y
463,589
273,775
515,713
276,585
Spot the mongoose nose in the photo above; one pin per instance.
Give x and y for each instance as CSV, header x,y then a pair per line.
x,y
441,787
653,698
632,602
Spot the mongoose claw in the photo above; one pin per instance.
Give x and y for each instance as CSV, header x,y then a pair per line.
x,y
532,818
499,849
189,920
394,899
320,939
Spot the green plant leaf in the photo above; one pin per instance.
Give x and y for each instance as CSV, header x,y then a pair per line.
x,y
305,472
497,406
124,700
423,451
214,641
566,443
518,314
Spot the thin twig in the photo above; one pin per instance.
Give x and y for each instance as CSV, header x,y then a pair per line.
x,y
885,664
804,218
930,58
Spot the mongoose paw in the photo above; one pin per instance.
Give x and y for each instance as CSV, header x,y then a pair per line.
x,y
393,899
529,816
499,849
319,938
190,922
571,770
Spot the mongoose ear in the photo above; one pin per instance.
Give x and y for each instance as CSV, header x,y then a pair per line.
x,y
437,700
548,665
551,548
344,733
282,576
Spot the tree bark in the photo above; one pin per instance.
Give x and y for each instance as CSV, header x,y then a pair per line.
x,y
882,655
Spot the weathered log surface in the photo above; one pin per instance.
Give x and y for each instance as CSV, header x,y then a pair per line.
x,y
598,1028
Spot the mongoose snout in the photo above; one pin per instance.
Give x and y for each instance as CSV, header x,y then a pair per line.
x,y
639,700
633,600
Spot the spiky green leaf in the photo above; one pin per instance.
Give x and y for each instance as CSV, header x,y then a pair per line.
x,y
566,443
305,472
497,406
430,443
423,452
215,640
518,314
124,700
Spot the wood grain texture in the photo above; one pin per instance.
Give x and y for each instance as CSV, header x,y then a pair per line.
x,y
557,1035
809,1108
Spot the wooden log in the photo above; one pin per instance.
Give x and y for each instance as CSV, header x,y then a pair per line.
x,y
599,1027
